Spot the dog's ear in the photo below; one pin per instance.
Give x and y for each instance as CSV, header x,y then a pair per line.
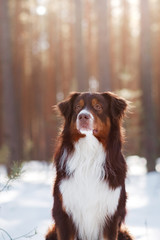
x,y
117,105
66,106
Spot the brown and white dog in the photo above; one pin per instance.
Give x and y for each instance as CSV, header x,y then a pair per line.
x,y
89,190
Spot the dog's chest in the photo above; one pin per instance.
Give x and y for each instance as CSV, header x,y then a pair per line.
x,y
86,197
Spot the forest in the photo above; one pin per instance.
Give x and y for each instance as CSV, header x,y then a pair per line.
x,y
49,48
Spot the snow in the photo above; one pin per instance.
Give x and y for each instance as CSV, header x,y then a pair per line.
x,y
25,208
143,204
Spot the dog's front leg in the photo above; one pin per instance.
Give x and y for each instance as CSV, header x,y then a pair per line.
x,y
63,224
111,229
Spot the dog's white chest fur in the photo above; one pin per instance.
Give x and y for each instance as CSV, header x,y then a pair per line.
x,y
87,198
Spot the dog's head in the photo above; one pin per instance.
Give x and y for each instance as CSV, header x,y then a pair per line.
x,y
92,112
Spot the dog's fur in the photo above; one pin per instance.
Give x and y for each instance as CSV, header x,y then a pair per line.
x,y
89,191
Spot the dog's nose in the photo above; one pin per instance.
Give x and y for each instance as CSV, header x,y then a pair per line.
x,y
84,116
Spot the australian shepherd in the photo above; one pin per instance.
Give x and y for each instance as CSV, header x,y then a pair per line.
x,y
89,191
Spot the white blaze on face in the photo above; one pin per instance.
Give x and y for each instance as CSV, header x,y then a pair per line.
x,y
84,122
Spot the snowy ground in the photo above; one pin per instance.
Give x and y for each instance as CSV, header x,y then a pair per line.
x,y
25,208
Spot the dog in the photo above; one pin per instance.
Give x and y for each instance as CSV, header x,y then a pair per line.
x,y
89,191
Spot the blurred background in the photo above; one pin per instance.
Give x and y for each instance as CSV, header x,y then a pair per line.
x,y
51,47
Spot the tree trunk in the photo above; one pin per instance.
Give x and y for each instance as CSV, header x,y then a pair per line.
x,y
10,119
103,46
150,138
81,75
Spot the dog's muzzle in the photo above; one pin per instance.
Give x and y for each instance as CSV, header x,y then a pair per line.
x,y
84,121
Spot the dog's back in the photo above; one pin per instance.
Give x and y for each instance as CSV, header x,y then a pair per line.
x,y
89,192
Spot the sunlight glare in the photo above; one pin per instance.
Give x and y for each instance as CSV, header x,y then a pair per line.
x,y
41,10
115,3
42,2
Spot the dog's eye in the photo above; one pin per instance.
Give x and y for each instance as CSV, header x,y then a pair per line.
x,y
78,108
98,107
